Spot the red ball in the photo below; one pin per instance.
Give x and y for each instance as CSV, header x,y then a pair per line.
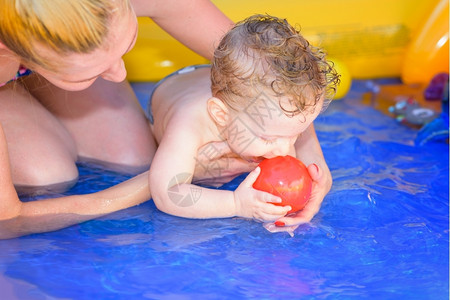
x,y
287,178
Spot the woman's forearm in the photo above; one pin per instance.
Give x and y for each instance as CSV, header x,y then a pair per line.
x,y
53,214
199,24
309,151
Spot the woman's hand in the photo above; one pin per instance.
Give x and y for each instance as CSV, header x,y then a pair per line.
x,y
255,204
321,185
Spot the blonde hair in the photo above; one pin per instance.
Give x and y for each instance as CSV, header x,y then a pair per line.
x,y
64,26
266,51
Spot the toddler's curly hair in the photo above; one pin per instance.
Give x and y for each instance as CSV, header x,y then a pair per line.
x,y
265,51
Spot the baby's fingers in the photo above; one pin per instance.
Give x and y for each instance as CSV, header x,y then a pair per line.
x,y
270,212
266,217
267,197
267,203
251,177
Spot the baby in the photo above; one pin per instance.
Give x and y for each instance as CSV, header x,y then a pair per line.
x,y
257,100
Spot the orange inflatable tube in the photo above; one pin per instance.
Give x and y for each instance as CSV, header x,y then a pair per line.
x,y
428,52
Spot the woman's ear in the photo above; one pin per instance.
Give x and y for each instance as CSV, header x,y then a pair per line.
x,y
218,111
7,54
2,46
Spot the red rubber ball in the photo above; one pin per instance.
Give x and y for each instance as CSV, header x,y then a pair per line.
x,y
287,178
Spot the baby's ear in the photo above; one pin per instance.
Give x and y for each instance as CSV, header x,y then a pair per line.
x,y
218,111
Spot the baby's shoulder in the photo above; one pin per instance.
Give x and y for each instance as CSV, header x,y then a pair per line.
x,y
190,116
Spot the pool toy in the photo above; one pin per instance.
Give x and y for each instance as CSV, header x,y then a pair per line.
x,y
286,177
369,37
346,78
436,87
437,131
428,52
410,112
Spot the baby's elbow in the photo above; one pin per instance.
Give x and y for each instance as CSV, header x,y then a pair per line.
x,y
157,192
160,200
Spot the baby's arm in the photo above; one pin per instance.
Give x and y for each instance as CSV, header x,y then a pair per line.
x,y
308,150
172,191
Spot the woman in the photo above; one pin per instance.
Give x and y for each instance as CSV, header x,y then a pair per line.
x,y
76,104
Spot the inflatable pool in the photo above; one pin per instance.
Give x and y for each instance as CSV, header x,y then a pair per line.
x,y
382,232
371,37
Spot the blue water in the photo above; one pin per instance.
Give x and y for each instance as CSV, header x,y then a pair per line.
x,y
382,233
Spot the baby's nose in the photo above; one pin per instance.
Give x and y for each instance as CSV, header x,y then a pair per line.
x,y
281,148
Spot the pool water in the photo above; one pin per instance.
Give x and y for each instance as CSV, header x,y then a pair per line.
x,y
382,233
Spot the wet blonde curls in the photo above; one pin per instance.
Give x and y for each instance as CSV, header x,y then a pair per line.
x,y
266,51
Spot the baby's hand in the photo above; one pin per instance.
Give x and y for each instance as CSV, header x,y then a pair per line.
x,y
321,185
251,203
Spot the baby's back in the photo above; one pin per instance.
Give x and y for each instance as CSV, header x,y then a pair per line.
x,y
181,95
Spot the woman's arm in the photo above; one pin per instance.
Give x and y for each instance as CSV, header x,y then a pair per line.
x,y
10,205
198,24
308,150
21,218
